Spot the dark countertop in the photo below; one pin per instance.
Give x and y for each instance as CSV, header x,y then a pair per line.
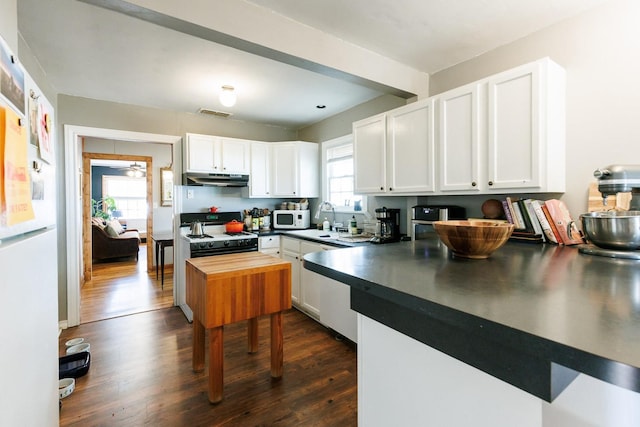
x,y
524,315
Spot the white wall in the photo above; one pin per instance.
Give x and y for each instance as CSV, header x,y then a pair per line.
x,y
600,51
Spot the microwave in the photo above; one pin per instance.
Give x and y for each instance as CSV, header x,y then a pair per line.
x,y
291,219
423,217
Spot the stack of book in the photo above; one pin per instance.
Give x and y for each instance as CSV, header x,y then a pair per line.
x,y
538,221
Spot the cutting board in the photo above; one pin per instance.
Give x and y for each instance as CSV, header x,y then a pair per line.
x,y
619,202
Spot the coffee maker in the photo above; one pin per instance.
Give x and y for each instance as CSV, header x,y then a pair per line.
x,y
387,226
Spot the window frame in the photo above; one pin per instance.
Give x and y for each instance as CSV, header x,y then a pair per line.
x,y
324,147
105,186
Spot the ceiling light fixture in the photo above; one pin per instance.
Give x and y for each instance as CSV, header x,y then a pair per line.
x,y
228,96
135,170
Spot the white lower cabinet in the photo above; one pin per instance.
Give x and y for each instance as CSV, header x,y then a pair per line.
x,y
269,245
305,285
322,298
311,283
290,251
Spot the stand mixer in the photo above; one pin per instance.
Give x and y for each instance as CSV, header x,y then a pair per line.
x,y
616,179
615,233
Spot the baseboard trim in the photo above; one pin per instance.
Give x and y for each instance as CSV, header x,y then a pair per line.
x,y
63,324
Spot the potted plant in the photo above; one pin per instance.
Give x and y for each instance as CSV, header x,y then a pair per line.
x,y
103,208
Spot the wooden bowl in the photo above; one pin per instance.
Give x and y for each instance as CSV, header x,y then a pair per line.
x,y
473,239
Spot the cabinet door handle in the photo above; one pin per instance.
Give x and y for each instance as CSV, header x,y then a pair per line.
x,y
381,188
490,182
473,184
390,189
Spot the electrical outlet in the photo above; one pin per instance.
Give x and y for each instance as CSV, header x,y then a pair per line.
x,y
189,194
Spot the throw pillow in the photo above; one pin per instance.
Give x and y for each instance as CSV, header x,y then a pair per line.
x,y
115,224
111,231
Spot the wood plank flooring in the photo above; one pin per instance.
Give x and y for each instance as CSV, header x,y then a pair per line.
x,y
118,288
141,374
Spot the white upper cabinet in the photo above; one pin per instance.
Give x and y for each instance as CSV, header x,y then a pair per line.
x,y
410,145
284,169
526,128
260,175
215,154
236,155
394,152
505,133
370,154
459,139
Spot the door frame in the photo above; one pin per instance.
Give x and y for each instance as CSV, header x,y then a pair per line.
x,y
73,138
86,206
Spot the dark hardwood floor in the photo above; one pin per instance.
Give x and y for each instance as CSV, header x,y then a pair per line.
x,y
141,374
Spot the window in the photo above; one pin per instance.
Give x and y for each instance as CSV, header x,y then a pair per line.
x,y
337,156
130,195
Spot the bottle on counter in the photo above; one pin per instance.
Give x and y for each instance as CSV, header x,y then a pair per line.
x,y
325,225
353,225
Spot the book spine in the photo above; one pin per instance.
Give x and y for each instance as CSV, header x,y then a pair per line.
x,y
535,223
552,224
544,223
528,224
513,213
507,211
519,219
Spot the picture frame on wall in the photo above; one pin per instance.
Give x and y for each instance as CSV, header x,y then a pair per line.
x,y
166,187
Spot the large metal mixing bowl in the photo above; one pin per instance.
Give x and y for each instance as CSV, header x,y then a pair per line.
x,y
618,230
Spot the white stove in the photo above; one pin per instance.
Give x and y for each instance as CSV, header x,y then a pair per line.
x,y
213,241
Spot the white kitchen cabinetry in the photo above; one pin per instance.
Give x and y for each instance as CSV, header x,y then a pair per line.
x,y
459,139
504,133
290,251
269,245
295,169
311,284
526,128
215,154
410,149
370,155
394,152
260,175
305,285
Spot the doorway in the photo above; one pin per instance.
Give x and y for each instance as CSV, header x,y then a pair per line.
x,y
87,207
73,219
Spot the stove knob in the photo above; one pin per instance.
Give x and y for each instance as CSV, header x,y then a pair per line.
x,y
226,243
211,244
203,245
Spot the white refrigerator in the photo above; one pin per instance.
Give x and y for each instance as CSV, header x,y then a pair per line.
x,y
28,254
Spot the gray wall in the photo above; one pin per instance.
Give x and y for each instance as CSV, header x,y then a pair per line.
x,y
340,124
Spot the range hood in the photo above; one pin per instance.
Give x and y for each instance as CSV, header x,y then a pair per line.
x,y
216,179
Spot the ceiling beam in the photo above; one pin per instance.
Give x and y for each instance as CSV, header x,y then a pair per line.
x,y
253,29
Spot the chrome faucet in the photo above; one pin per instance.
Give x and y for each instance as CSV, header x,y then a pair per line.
x,y
326,206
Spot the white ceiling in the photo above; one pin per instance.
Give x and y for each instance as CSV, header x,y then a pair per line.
x,y
97,53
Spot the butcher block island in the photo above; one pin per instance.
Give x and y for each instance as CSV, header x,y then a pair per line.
x,y
225,289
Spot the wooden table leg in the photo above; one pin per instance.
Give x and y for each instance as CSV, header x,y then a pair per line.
x,y
216,362
197,360
277,352
252,335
